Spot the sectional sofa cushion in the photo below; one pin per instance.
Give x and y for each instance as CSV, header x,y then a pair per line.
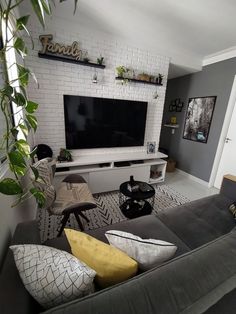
x,y
201,221
145,227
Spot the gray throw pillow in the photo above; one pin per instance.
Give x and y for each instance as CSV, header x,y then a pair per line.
x,y
52,276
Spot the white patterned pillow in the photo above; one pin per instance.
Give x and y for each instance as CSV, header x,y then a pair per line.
x,y
52,276
147,252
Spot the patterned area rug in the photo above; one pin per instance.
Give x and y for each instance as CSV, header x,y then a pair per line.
x,y
107,211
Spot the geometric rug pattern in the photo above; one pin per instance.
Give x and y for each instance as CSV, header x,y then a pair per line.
x,y
107,211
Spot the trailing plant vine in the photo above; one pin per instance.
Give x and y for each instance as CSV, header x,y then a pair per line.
x,y
14,142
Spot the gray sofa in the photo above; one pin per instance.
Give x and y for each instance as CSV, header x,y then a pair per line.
x,y
201,278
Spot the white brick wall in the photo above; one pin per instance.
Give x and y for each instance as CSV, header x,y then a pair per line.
x,y
58,78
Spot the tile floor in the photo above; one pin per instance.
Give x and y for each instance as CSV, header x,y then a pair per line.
x,y
187,187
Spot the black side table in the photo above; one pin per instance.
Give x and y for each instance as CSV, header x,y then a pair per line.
x,y
138,202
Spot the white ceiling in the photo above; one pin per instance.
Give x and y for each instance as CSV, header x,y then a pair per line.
x,y
185,30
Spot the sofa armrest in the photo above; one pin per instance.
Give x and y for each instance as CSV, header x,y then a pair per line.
x,y
14,298
188,284
228,187
27,233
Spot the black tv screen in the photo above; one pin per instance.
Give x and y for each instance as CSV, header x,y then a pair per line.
x,y
92,122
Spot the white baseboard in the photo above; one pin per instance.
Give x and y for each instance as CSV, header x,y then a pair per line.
x,y
196,179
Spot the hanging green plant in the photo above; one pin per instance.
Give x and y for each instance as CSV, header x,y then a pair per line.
x,y
14,91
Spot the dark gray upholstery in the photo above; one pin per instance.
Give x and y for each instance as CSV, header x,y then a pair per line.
x,y
201,221
14,298
199,281
145,227
191,283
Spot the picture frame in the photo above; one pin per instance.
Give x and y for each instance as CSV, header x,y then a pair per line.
x,y
176,105
198,118
151,147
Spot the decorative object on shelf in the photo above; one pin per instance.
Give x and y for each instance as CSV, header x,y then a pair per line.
x,y
66,53
155,95
160,78
95,78
155,173
151,147
100,60
198,118
173,120
143,77
128,75
121,70
176,105
64,155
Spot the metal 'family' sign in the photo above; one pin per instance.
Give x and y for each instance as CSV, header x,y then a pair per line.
x,y
50,48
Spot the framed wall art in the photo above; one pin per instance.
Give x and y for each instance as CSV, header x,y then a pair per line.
x,y
151,147
198,118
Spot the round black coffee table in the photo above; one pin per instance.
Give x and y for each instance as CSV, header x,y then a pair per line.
x,y
138,201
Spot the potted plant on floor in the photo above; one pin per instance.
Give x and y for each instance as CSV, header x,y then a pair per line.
x,y
16,148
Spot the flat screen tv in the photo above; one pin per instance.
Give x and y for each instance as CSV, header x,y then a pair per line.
x,y
92,122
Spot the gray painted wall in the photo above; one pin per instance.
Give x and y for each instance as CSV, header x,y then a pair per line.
x,y
214,80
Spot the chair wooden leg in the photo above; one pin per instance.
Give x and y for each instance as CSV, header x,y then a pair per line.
x,y
79,221
83,216
63,223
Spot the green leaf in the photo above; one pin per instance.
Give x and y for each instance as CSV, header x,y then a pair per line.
x,y
23,147
39,11
23,91
22,21
20,47
19,99
31,106
23,75
21,171
34,152
35,172
10,186
32,121
7,90
14,132
39,196
16,159
46,6
24,129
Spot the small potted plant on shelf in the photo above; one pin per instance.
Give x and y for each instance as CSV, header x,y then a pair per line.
x,y
121,70
64,155
100,60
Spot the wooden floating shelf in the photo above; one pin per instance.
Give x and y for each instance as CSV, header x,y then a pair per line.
x,y
137,81
59,58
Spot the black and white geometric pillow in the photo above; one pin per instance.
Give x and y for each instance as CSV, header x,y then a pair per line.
x,y
52,276
147,252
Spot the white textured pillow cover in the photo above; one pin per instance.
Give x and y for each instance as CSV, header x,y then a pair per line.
x,y
52,276
147,252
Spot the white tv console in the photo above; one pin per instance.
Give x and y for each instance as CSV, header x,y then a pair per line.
x,y
106,172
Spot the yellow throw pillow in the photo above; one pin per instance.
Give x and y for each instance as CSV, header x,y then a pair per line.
x,y
111,265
